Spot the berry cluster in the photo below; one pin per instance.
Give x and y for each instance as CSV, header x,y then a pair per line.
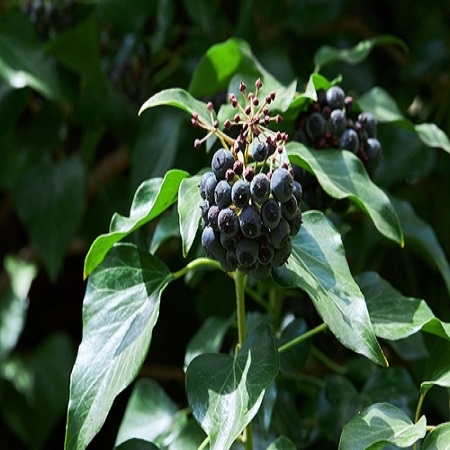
x,y
326,124
250,205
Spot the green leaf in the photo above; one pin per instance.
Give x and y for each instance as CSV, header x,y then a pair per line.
x,y
120,309
342,175
179,98
354,55
438,438
189,211
431,135
437,371
136,444
282,443
421,235
208,338
149,403
50,201
318,266
36,386
379,425
189,438
14,302
293,359
395,316
151,199
167,228
222,386
22,60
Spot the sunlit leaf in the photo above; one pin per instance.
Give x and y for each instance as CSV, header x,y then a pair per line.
x,y
225,392
438,438
151,199
431,135
379,425
319,267
120,309
342,175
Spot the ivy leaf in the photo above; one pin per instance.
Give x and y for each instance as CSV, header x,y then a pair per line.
x,y
437,371
136,444
318,266
120,309
379,425
225,392
342,175
354,55
395,316
179,98
422,236
49,200
431,135
438,438
282,443
151,199
189,211
149,403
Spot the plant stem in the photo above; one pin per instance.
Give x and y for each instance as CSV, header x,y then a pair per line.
x,y
239,283
195,264
203,445
418,409
327,361
303,337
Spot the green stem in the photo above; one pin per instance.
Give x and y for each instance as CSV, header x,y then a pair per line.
x,y
195,264
257,297
204,443
303,337
416,416
327,361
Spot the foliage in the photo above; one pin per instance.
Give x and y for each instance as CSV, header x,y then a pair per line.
x,y
345,346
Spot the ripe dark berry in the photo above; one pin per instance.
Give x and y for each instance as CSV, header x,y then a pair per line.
x,y
271,213
260,188
280,234
260,272
240,193
296,222
298,192
337,121
282,254
349,140
228,242
210,185
335,97
259,151
222,160
211,243
315,125
373,149
247,252
282,184
265,254
368,123
222,194
213,215
202,185
228,222
289,208
250,222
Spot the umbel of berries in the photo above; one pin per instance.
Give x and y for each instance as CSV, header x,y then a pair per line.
x,y
250,200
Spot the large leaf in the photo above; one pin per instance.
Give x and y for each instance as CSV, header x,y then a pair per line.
x,y
342,175
179,98
384,108
422,236
282,443
379,425
395,316
151,199
189,211
14,302
438,438
149,404
319,267
50,200
136,444
120,309
22,60
437,371
326,54
225,392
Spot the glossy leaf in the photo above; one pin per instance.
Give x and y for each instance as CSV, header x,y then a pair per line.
x,y
379,425
151,199
225,392
433,136
22,59
189,211
354,55
136,444
395,316
167,228
179,98
281,443
149,403
14,302
208,338
438,438
418,233
342,175
49,200
189,438
319,267
120,309
437,371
